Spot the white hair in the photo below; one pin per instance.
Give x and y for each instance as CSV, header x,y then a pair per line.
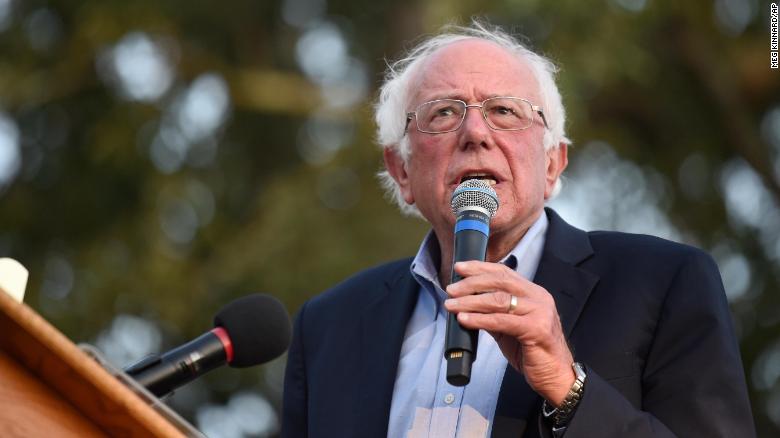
x,y
394,95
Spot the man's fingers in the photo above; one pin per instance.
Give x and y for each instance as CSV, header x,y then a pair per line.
x,y
492,279
473,267
494,302
503,323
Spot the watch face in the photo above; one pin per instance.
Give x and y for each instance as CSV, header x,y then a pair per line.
x,y
579,371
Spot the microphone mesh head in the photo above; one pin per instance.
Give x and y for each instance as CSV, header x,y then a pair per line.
x,y
474,193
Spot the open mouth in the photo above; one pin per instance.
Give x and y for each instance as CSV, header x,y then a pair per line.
x,y
488,178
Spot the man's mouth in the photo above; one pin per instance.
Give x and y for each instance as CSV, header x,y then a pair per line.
x,y
488,178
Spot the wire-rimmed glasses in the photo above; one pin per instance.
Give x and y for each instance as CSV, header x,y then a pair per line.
x,y
501,113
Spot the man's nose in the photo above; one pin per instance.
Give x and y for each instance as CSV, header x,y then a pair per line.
x,y
474,130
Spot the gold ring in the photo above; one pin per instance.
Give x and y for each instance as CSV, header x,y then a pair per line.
x,y
512,304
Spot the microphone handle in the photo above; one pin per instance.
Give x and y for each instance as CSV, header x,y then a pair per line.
x,y
460,351
161,374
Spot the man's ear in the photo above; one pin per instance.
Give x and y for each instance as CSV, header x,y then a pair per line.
x,y
396,167
557,160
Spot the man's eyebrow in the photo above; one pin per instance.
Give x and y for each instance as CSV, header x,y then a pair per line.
x,y
459,96
453,96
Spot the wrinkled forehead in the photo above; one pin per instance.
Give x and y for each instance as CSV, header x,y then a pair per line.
x,y
472,69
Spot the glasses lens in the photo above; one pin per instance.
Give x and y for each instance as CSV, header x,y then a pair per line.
x,y
508,113
440,115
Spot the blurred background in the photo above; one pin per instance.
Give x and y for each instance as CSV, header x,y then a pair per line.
x,y
161,158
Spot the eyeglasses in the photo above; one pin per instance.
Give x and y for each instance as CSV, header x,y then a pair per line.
x,y
500,113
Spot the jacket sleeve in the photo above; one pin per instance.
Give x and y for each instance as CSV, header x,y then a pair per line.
x,y
693,383
295,399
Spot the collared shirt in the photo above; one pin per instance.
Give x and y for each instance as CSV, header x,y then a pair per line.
x,y
424,404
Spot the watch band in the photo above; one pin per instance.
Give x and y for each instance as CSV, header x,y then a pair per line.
x,y
561,415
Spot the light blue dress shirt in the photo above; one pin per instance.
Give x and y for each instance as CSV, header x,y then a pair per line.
x,y
424,404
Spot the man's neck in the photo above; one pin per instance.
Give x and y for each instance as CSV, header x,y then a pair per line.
x,y
499,246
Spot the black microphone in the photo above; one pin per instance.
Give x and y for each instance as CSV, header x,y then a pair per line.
x,y
474,203
248,331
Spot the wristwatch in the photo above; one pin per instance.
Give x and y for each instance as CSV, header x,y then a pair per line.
x,y
561,415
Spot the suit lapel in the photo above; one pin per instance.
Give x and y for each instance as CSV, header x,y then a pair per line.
x,y
558,272
383,324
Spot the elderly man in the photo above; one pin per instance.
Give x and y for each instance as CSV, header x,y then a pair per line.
x,y
585,334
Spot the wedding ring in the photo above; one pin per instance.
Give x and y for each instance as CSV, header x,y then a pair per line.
x,y
512,304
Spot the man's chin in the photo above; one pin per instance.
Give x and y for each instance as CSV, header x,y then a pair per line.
x,y
506,225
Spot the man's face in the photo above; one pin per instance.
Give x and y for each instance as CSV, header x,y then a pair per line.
x,y
525,174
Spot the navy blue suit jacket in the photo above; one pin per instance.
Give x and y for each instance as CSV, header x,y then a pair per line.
x,y
647,317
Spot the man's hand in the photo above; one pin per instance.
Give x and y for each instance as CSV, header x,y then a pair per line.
x,y
530,337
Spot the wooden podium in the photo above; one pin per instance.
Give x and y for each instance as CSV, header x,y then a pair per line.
x,y
50,387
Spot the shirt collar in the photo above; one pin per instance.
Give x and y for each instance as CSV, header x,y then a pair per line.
x,y
524,258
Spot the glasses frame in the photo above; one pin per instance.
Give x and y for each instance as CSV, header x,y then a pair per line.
x,y
413,114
